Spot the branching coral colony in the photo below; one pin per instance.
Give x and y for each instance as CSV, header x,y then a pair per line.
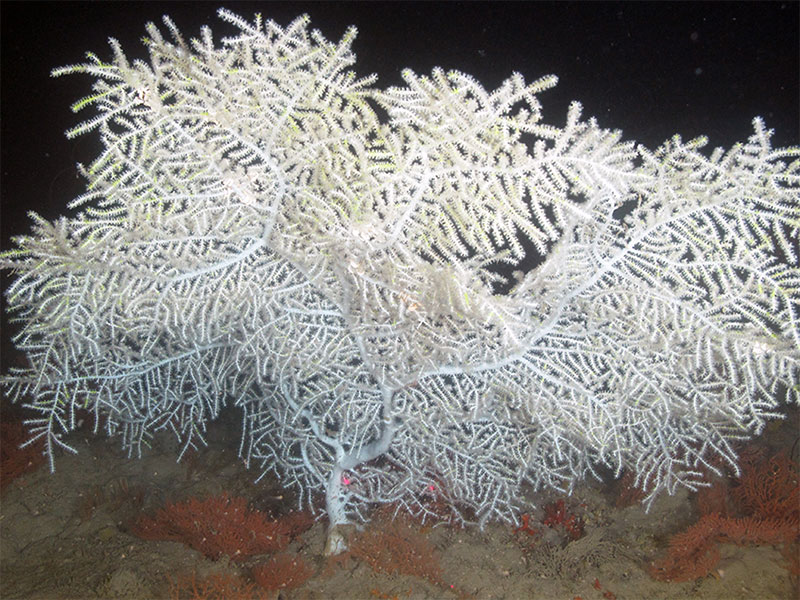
x,y
253,234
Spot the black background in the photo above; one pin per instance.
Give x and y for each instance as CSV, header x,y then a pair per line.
x,y
650,69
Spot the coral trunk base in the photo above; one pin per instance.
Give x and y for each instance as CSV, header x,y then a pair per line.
x,y
337,539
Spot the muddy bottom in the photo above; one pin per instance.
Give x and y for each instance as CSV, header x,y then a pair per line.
x,y
67,535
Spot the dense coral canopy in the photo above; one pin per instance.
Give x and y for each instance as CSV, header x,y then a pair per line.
x,y
253,233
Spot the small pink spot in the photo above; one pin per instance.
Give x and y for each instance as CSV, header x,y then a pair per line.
x,y
345,480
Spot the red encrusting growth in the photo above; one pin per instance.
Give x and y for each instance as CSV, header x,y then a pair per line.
x,y
282,571
221,525
14,460
557,515
762,508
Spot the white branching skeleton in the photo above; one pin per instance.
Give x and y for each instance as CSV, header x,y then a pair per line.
x,y
254,235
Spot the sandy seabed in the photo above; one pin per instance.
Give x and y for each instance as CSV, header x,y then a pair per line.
x,y
67,535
